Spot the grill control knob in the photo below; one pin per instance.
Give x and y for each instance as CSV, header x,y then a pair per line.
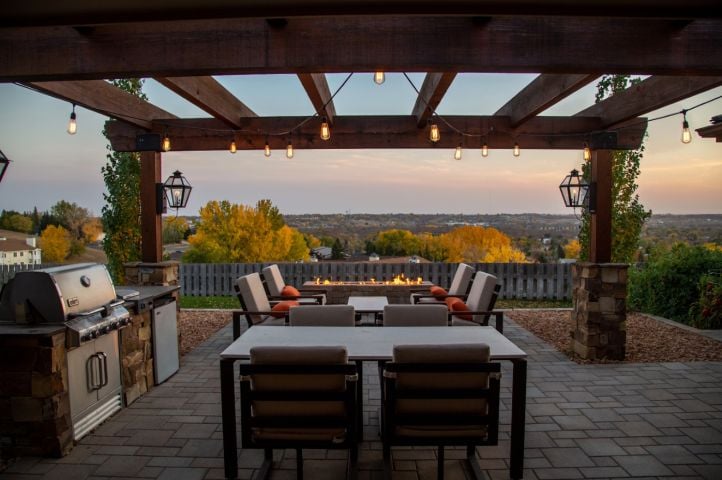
x,y
85,338
93,334
114,325
104,329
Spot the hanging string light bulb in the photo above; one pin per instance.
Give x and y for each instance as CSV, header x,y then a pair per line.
x,y
379,78
517,150
325,130
72,125
587,153
686,134
289,150
267,149
434,133
457,152
166,143
484,150
232,148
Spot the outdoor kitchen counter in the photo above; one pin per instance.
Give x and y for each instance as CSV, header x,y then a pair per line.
x,y
37,330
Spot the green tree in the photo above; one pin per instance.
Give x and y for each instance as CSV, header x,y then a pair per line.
x,y
174,229
71,216
628,214
337,250
121,213
397,242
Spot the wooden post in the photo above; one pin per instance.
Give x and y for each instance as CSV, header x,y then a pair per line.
x,y
151,225
601,221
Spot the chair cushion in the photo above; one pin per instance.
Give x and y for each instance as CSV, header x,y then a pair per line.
x,y
458,322
415,315
482,290
250,288
283,306
274,279
438,292
460,306
462,277
290,291
322,316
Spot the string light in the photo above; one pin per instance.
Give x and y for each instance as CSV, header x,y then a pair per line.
x,y
457,152
517,150
72,125
434,134
166,143
289,150
325,130
587,154
379,78
686,134
485,150
267,149
232,148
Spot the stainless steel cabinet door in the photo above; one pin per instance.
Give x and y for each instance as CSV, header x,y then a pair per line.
x,y
106,347
83,378
165,342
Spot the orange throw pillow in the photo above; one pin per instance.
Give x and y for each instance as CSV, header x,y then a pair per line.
x,y
461,307
289,291
452,300
283,306
438,292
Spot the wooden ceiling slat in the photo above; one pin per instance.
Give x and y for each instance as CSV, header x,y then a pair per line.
x,y
648,95
351,44
210,96
318,91
354,132
104,98
432,92
543,92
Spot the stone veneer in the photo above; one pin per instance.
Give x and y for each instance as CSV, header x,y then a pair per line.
x,y
599,295
34,402
162,273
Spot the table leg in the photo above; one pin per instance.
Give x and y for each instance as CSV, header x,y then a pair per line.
x,y
360,400
228,412
518,412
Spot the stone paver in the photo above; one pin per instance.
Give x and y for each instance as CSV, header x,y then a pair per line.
x,y
656,421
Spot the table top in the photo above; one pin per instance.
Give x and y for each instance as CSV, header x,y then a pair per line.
x,y
371,343
368,304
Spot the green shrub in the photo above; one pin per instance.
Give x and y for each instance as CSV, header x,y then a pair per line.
x,y
707,313
669,284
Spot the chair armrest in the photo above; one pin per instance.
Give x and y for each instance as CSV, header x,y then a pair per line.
x,y
247,313
439,298
498,317
277,298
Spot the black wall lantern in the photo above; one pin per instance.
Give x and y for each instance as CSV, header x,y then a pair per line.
x,y
4,163
575,191
176,190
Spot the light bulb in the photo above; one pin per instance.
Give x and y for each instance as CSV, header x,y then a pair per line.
x,y
686,134
517,150
457,153
267,149
587,153
325,130
434,134
166,143
232,148
72,125
485,150
379,78
289,150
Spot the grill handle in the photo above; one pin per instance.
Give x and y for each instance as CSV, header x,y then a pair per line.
x,y
103,359
90,373
105,309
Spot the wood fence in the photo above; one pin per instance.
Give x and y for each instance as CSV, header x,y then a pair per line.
x,y
551,281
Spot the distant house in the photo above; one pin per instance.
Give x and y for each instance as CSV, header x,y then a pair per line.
x,y
18,252
374,257
322,253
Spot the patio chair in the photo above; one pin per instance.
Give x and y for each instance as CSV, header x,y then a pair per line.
x,y
479,304
322,316
458,288
255,305
415,316
299,397
440,395
278,290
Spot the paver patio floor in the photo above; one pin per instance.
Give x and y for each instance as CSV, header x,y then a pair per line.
x,y
583,421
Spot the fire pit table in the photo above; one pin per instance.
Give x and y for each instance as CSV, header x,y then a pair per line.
x,y
398,291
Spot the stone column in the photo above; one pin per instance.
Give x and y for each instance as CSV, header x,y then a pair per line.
x,y
599,317
161,273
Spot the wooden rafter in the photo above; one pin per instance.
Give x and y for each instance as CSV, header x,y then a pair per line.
x,y
104,98
648,95
711,131
316,86
353,132
432,91
448,43
209,95
543,92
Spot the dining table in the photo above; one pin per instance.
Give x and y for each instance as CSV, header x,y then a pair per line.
x,y
372,344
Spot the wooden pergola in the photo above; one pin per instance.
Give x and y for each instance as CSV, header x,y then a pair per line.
x,y
67,49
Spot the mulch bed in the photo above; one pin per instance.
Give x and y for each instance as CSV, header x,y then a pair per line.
x,y
648,340
196,326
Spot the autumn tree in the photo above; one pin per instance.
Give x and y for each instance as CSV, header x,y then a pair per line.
x,y
92,229
71,216
628,214
572,249
397,242
55,244
174,229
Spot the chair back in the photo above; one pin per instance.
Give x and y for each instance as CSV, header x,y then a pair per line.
x,y
252,295
482,292
274,280
322,316
460,281
415,316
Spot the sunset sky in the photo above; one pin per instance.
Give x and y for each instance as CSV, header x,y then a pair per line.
x,y
50,165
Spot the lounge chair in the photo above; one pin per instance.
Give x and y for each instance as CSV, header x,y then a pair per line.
x,y
458,288
277,288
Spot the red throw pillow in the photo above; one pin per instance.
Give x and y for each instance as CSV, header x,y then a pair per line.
x,y
289,291
451,300
283,306
438,292
461,307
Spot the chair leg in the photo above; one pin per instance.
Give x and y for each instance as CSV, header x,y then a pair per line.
x,y
440,463
266,465
473,462
299,464
352,467
388,465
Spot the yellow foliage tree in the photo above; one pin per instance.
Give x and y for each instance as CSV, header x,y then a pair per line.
x,y
572,249
92,230
479,244
55,243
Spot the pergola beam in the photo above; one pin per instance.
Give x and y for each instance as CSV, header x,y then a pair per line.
x,y
104,98
318,91
452,44
432,91
711,131
646,96
210,96
355,132
543,92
